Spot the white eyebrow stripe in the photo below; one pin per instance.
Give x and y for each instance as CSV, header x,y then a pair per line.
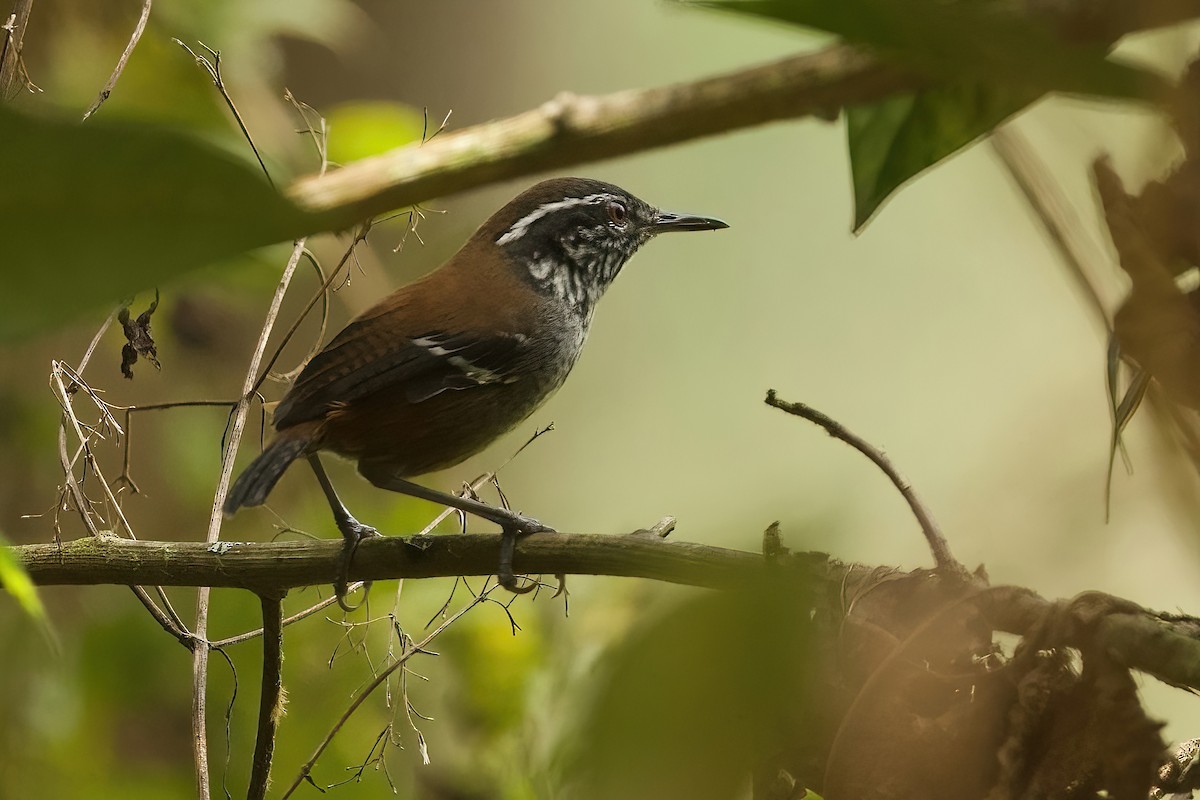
x,y
522,225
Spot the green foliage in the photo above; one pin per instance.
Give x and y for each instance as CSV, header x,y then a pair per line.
x,y
17,583
996,62
896,139
144,205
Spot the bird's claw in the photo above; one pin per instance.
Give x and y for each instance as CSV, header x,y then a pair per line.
x,y
353,532
520,526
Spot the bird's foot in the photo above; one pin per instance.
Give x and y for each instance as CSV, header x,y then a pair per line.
x,y
510,530
353,532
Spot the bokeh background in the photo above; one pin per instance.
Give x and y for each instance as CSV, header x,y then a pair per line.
x,y
948,333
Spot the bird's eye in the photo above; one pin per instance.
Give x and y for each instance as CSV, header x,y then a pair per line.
x,y
617,213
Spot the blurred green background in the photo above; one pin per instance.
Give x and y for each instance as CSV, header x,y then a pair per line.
x,y
948,333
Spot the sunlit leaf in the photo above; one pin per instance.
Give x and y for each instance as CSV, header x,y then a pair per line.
x,y
94,213
982,39
358,130
16,582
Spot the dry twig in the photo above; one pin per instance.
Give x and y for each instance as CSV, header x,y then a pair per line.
x,y
933,534
111,83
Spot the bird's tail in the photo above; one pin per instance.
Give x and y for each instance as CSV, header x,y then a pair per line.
x,y
257,480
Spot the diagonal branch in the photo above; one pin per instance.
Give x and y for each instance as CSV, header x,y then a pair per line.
x,y
933,533
574,129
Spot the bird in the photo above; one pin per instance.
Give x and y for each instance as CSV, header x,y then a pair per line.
x,y
443,366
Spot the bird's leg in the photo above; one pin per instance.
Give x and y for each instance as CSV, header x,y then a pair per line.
x,y
352,530
511,523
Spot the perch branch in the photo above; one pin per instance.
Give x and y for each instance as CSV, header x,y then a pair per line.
x,y
1165,647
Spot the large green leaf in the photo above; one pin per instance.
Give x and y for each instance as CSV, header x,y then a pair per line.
x,y
986,63
896,139
960,39
93,213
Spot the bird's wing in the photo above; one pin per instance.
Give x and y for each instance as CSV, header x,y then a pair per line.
x,y
363,359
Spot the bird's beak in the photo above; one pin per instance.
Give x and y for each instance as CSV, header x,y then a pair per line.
x,y
666,221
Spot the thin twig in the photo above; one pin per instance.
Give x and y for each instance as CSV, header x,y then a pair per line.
x,y
169,619
271,703
933,535
306,768
237,426
211,63
10,52
308,612
1080,253
359,236
91,348
111,83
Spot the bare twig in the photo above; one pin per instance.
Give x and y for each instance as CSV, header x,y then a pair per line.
x,y
92,345
360,235
13,32
210,62
236,428
271,703
933,535
306,768
111,83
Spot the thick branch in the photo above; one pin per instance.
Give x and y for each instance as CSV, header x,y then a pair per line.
x,y
266,567
573,129
1165,647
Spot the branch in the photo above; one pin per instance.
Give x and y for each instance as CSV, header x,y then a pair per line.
x,y
1163,646
270,567
111,83
571,129
574,129
938,545
12,41
270,705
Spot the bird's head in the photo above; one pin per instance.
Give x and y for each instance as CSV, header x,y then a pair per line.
x,y
571,236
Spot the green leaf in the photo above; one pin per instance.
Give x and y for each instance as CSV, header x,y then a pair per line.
x,y
16,582
93,213
995,62
362,129
896,139
981,39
